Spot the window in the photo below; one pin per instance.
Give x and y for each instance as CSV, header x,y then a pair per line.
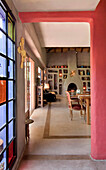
x,y
7,88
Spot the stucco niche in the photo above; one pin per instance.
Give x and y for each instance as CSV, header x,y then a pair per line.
x,y
76,78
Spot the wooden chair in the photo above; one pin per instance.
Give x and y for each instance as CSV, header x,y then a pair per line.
x,y
77,107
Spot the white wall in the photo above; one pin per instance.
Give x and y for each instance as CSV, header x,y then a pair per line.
x,y
34,44
20,31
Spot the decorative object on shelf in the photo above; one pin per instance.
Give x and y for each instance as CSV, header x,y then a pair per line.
x,y
72,73
87,72
1,148
2,166
21,51
65,71
60,80
1,156
63,66
64,76
78,91
60,74
50,76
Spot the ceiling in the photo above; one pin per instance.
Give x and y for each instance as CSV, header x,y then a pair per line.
x,y
63,34
55,5
60,34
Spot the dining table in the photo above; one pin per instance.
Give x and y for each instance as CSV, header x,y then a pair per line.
x,y
87,98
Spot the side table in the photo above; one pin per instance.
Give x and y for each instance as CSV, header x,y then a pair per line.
x,y
27,122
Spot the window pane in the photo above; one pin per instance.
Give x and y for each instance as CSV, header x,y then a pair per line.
x,y
10,90
2,43
2,91
3,139
2,19
14,32
10,69
10,110
3,160
2,115
10,131
10,48
2,67
10,152
10,28
14,52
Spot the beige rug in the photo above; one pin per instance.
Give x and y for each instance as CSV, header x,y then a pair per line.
x,y
61,124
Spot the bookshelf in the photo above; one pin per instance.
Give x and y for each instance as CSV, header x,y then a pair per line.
x,y
84,73
56,75
39,96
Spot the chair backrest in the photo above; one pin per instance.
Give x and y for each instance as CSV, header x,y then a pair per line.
x,y
69,100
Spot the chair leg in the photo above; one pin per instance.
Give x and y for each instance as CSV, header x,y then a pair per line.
x,y
81,112
71,114
85,115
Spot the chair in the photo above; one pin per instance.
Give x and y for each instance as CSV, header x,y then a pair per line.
x,y
77,107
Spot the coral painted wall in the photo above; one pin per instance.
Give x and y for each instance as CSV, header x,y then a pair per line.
x,y
97,20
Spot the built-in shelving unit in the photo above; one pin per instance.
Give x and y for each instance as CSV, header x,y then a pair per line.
x,y
39,96
56,76
84,73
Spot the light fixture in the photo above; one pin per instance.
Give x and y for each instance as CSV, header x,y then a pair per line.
x,y
46,86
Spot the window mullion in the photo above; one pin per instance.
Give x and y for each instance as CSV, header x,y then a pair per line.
x,y
7,89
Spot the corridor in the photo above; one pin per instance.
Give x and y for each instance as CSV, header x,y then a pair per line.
x,y
56,142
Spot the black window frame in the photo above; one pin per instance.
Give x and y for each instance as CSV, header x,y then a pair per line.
x,y
8,13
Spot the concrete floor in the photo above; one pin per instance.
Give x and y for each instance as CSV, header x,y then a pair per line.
x,y
57,143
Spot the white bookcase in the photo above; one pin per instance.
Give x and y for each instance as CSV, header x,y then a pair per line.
x,y
56,78
84,74
39,96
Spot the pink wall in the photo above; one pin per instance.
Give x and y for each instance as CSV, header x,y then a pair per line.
x,y
97,20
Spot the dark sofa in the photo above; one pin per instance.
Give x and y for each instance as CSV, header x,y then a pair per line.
x,y
49,97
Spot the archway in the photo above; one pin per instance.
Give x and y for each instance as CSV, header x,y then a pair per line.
x,y
98,67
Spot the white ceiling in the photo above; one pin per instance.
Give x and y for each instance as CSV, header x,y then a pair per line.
x,y
63,34
55,5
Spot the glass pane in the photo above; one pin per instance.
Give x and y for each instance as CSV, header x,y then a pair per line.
x,y
2,91
10,90
10,152
2,67
14,32
14,71
10,48
10,69
2,115
10,28
2,43
10,131
10,110
2,19
2,139
3,160
14,52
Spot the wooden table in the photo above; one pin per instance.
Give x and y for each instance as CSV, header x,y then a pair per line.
x,y
27,122
86,97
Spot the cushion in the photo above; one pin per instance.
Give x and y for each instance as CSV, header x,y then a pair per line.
x,y
76,106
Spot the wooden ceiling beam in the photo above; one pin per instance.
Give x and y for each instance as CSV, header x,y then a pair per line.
x,y
65,49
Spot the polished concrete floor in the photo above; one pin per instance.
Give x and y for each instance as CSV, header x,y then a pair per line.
x,y
57,143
